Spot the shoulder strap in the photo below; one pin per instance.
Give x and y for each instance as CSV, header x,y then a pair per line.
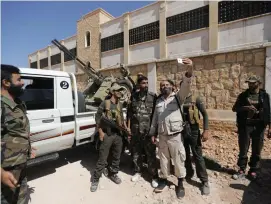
x,y
107,107
118,107
179,104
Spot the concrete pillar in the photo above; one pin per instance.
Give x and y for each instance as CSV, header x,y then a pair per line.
x,y
267,80
38,59
163,30
49,57
213,25
126,28
152,77
62,58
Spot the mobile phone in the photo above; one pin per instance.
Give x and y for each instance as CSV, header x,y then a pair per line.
x,y
180,61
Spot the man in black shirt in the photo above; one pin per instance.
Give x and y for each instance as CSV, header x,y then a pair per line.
x,y
192,107
253,115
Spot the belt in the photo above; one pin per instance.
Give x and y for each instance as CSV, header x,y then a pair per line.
x,y
173,134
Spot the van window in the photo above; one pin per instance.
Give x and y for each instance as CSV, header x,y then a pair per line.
x,y
38,93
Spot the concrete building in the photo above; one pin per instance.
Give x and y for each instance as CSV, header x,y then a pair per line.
x,y
227,40
85,44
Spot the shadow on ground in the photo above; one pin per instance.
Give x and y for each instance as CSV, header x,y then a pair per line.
x,y
258,191
213,165
88,156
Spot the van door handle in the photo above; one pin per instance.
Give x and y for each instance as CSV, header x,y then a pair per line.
x,y
48,121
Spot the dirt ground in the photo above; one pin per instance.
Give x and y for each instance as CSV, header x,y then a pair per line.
x,y
67,180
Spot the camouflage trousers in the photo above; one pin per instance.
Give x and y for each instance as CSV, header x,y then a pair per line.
x,y
143,151
18,195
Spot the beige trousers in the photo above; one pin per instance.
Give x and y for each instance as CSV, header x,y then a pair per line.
x,y
171,148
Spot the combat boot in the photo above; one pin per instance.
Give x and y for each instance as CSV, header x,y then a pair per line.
x,y
115,178
205,188
94,185
180,189
161,186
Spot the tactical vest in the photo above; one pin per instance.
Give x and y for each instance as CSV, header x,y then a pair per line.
x,y
142,111
191,111
114,114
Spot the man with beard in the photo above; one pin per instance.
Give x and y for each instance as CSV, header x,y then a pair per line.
x,y
15,142
167,122
253,115
139,114
136,88
110,137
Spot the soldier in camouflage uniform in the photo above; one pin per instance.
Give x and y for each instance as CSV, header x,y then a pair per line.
x,y
139,114
110,137
15,143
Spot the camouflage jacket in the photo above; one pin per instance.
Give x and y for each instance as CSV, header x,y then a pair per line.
x,y
140,111
15,131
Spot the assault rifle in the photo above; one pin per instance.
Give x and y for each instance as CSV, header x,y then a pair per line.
x,y
109,123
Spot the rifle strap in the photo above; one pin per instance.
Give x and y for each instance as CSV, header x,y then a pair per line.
x,y
107,108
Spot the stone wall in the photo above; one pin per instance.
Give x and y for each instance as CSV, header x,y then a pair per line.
x,y
219,78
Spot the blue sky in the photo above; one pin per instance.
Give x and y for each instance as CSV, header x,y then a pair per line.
x,y
29,26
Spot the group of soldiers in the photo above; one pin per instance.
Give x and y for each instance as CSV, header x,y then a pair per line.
x,y
169,121
151,118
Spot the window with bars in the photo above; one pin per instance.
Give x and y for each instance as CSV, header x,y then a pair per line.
x,y
56,59
144,33
234,10
67,58
112,42
34,65
44,63
188,21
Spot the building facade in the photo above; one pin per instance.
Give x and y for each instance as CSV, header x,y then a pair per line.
x,y
227,40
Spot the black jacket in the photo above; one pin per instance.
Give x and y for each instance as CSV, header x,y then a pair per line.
x,y
264,107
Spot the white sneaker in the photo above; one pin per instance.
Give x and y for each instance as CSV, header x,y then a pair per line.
x,y
154,183
136,177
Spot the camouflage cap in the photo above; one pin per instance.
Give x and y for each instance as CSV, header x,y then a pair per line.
x,y
253,79
116,87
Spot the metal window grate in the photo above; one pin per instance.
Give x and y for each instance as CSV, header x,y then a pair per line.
x,y
112,42
67,58
34,65
44,62
234,10
188,21
144,33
